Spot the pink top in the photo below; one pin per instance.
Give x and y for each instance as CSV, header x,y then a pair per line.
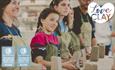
x,y
43,39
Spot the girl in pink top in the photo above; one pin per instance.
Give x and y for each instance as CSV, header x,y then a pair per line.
x,y
45,44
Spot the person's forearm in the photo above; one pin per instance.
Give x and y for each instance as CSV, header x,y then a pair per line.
x,y
68,65
93,42
46,63
40,60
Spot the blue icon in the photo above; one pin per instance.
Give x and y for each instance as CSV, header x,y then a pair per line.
x,y
23,56
23,51
8,56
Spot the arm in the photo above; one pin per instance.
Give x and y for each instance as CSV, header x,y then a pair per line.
x,y
93,42
40,60
70,19
113,34
68,65
6,40
38,50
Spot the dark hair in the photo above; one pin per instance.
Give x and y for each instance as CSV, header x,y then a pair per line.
x,y
43,15
54,2
3,4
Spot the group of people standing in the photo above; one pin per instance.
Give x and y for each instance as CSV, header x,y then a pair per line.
x,y
61,31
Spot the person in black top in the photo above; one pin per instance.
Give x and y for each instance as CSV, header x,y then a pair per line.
x,y
83,25
8,12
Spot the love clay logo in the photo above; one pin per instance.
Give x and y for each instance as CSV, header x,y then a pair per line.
x,y
101,14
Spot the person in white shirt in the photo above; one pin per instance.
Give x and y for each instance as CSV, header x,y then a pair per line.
x,y
103,34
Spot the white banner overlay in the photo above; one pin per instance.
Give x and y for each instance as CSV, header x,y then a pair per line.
x,y
101,14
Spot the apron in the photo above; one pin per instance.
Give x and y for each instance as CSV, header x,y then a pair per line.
x,y
52,50
70,47
74,49
65,40
86,32
75,43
